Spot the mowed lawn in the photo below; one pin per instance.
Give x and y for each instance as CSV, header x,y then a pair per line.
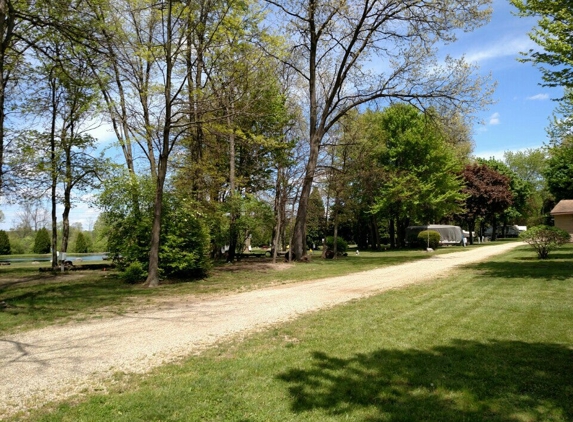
x,y
494,342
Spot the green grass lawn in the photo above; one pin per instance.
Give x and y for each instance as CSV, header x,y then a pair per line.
x,y
36,299
492,343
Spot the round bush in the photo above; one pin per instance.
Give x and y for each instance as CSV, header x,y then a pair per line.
x,y
134,273
434,237
545,239
341,244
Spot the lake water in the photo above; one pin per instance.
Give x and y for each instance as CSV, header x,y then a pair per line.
x,y
47,258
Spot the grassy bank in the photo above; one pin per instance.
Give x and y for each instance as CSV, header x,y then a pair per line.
x,y
492,343
35,299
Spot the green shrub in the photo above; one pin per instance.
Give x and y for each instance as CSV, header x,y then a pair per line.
x,y
128,216
545,239
434,239
341,244
134,273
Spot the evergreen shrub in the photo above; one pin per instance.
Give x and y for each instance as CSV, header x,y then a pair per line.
x,y
43,241
4,243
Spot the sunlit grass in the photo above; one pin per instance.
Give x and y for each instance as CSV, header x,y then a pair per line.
x,y
494,342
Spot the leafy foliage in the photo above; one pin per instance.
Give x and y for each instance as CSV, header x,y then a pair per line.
x,y
4,243
488,192
545,239
421,171
43,241
128,214
184,250
553,35
529,166
134,273
520,189
316,219
341,244
559,171
429,238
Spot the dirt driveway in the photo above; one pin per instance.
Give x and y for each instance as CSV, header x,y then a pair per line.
x,y
55,362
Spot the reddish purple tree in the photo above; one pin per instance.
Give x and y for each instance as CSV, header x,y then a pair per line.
x,y
488,193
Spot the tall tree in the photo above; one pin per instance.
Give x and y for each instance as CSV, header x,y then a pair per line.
x,y
420,182
521,190
5,248
529,166
332,43
63,103
42,242
81,245
487,193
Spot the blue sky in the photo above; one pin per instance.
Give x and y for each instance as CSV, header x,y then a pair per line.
x,y
516,121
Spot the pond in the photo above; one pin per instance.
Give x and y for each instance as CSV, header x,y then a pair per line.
x,y
47,258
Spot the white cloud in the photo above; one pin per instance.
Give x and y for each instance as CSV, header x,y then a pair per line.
x,y
505,47
539,97
494,119
103,132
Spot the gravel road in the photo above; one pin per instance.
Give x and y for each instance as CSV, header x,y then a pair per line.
x,y
55,362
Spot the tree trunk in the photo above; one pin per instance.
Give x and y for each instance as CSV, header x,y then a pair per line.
x,y
54,173
471,229
153,271
316,132
235,213
375,233
279,212
392,233
298,244
402,223
163,161
494,228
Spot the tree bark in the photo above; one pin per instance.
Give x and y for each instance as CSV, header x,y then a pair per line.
x,y
392,233
298,244
163,161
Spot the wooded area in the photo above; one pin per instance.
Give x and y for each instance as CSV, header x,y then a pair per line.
x,y
265,123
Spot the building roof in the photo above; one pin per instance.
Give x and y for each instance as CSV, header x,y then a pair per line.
x,y
565,206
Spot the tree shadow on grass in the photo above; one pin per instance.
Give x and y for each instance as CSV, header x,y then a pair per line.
x,y
549,269
464,381
553,256
67,297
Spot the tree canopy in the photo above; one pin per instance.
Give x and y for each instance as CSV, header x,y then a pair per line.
x,y
237,122
488,193
559,170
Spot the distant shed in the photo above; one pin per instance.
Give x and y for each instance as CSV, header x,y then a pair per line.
x,y
563,215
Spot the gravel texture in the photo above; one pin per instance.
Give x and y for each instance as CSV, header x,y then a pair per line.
x,y
59,361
